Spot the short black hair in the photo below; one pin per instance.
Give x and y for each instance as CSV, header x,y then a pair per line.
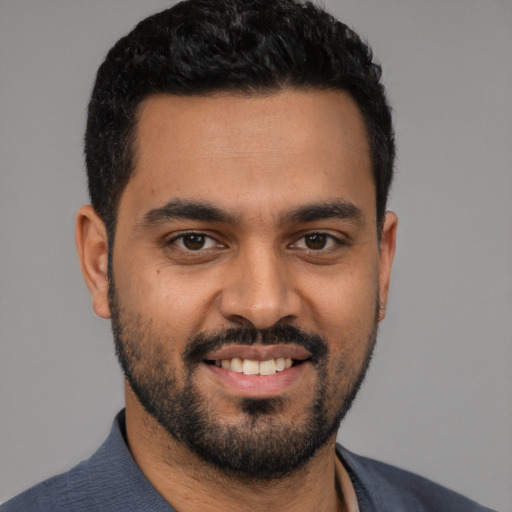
x,y
199,47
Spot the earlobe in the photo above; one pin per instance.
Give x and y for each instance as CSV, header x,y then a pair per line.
x,y
387,253
92,247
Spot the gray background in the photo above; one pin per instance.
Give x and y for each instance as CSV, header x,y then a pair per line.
x,y
438,399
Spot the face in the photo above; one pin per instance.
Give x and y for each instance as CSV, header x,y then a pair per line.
x,y
247,273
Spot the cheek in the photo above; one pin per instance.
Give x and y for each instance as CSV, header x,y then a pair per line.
x,y
177,301
345,302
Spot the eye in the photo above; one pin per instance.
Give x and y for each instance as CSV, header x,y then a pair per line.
x,y
194,242
317,242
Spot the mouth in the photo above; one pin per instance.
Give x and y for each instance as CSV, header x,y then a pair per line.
x,y
255,367
258,359
258,370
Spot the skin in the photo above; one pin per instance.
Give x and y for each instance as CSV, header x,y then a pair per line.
x,y
257,159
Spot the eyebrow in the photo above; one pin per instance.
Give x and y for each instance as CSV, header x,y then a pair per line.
x,y
340,209
189,210
206,212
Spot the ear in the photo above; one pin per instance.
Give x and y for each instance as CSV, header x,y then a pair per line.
x,y
92,246
387,253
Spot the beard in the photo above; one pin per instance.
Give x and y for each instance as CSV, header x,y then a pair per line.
x,y
262,444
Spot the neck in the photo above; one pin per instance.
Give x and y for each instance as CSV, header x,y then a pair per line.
x,y
190,484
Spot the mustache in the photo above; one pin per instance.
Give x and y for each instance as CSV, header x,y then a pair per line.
x,y
200,345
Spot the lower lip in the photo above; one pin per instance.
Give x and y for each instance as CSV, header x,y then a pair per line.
x,y
257,386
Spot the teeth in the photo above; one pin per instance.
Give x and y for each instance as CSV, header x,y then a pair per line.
x,y
237,364
252,367
267,367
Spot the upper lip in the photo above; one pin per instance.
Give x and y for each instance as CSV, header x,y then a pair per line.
x,y
259,352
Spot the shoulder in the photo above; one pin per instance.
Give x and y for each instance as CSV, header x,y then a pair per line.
x,y
109,481
68,491
383,487
73,491
80,489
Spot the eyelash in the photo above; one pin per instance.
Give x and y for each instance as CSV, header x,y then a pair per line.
x,y
182,236
330,240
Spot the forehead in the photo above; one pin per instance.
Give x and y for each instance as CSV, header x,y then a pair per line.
x,y
297,146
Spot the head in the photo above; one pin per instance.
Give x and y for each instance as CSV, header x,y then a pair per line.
x,y
239,156
202,47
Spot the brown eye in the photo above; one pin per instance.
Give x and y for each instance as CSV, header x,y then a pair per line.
x,y
319,246
316,241
193,241
194,245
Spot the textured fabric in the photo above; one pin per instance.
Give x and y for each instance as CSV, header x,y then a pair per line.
x,y
110,481
383,488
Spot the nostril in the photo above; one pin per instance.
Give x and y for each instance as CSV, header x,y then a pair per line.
x,y
240,321
258,321
257,299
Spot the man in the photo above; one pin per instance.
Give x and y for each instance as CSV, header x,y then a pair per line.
x,y
239,156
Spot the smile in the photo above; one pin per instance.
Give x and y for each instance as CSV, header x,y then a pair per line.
x,y
258,359
258,371
254,367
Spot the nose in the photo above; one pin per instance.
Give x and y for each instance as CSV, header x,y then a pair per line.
x,y
259,291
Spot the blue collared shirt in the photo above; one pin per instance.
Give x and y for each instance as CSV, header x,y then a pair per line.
x,y
111,481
